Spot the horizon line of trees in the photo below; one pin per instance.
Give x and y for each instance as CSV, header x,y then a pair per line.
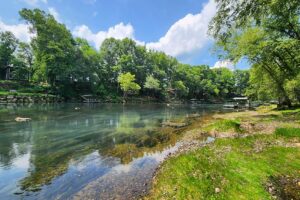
x,y
71,66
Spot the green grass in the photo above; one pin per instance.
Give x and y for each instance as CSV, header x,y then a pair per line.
x,y
288,132
225,125
239,167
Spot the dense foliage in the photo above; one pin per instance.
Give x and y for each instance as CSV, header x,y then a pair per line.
x,y
71,67
267,34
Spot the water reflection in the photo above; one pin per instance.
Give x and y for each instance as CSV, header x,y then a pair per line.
x,y
91,143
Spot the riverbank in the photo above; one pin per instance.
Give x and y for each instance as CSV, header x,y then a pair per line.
x,y
256,156
16,97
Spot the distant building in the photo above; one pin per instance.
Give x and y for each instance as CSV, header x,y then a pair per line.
x,y
238,102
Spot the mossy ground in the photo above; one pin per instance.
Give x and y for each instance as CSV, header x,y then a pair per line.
x,y
244,167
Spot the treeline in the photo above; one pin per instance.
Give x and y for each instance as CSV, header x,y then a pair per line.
x,y
70,66
267,34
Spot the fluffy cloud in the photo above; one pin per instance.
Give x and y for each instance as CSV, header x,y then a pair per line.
x,y
54,12
21,31
34,2
224,64
187,35
119,31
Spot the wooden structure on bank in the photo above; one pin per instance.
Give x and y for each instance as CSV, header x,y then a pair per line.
x,y
90,99
238,102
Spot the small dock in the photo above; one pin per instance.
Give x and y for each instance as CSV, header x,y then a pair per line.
x,y
90,99
238,102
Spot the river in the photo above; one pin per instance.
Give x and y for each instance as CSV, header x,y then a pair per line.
x,y
86,151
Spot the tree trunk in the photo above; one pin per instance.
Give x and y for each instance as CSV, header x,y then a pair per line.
x,y
124,97
284,99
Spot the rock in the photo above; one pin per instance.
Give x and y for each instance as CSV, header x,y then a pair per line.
x,y
174,125
270,189
22,119
217,190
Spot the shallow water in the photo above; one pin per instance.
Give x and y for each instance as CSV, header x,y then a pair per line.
x,y
100,151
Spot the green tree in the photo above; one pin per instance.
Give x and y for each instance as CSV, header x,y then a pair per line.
x,y
127,84
224,81
53,46
241,78
267,33
24,61
8,45
181,89
152,83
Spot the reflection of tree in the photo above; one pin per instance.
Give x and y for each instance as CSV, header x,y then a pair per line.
x,y
58,134
64,140
15,145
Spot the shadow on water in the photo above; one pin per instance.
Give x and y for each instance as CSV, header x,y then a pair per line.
x,y
87,152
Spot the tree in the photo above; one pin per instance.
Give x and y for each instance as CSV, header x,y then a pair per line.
x,y
224,81
8,45
152,83
277,16
24,61
241,78
181,89
53,46
127,84
267,33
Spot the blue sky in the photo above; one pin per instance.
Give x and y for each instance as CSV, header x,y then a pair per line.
x,y
177,27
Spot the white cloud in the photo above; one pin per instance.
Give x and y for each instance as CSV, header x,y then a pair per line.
x,y
21,31
35,2
187,35
54,12
224,64
119,31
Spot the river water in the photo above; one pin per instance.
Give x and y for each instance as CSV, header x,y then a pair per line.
x,y
86,151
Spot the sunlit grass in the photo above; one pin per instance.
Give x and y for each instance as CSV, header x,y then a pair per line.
x,y
240,168
225,125
288,132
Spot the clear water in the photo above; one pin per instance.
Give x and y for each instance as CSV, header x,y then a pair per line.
x,y
97,151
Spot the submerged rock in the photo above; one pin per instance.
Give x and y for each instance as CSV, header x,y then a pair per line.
x,y
22,119
174,124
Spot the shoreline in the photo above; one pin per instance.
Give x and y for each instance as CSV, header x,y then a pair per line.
x,y
249,126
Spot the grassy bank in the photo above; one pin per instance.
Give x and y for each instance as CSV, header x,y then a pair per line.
x,y
257,156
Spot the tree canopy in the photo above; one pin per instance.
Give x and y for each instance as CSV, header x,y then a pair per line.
x,y
266,33
72,67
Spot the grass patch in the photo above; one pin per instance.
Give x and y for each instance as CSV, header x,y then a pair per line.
x,y
225,125
234,166
288,132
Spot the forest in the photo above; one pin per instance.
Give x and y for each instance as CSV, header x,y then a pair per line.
x,y
57,63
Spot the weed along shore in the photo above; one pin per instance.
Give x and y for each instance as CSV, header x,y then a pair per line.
x,y
255,155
